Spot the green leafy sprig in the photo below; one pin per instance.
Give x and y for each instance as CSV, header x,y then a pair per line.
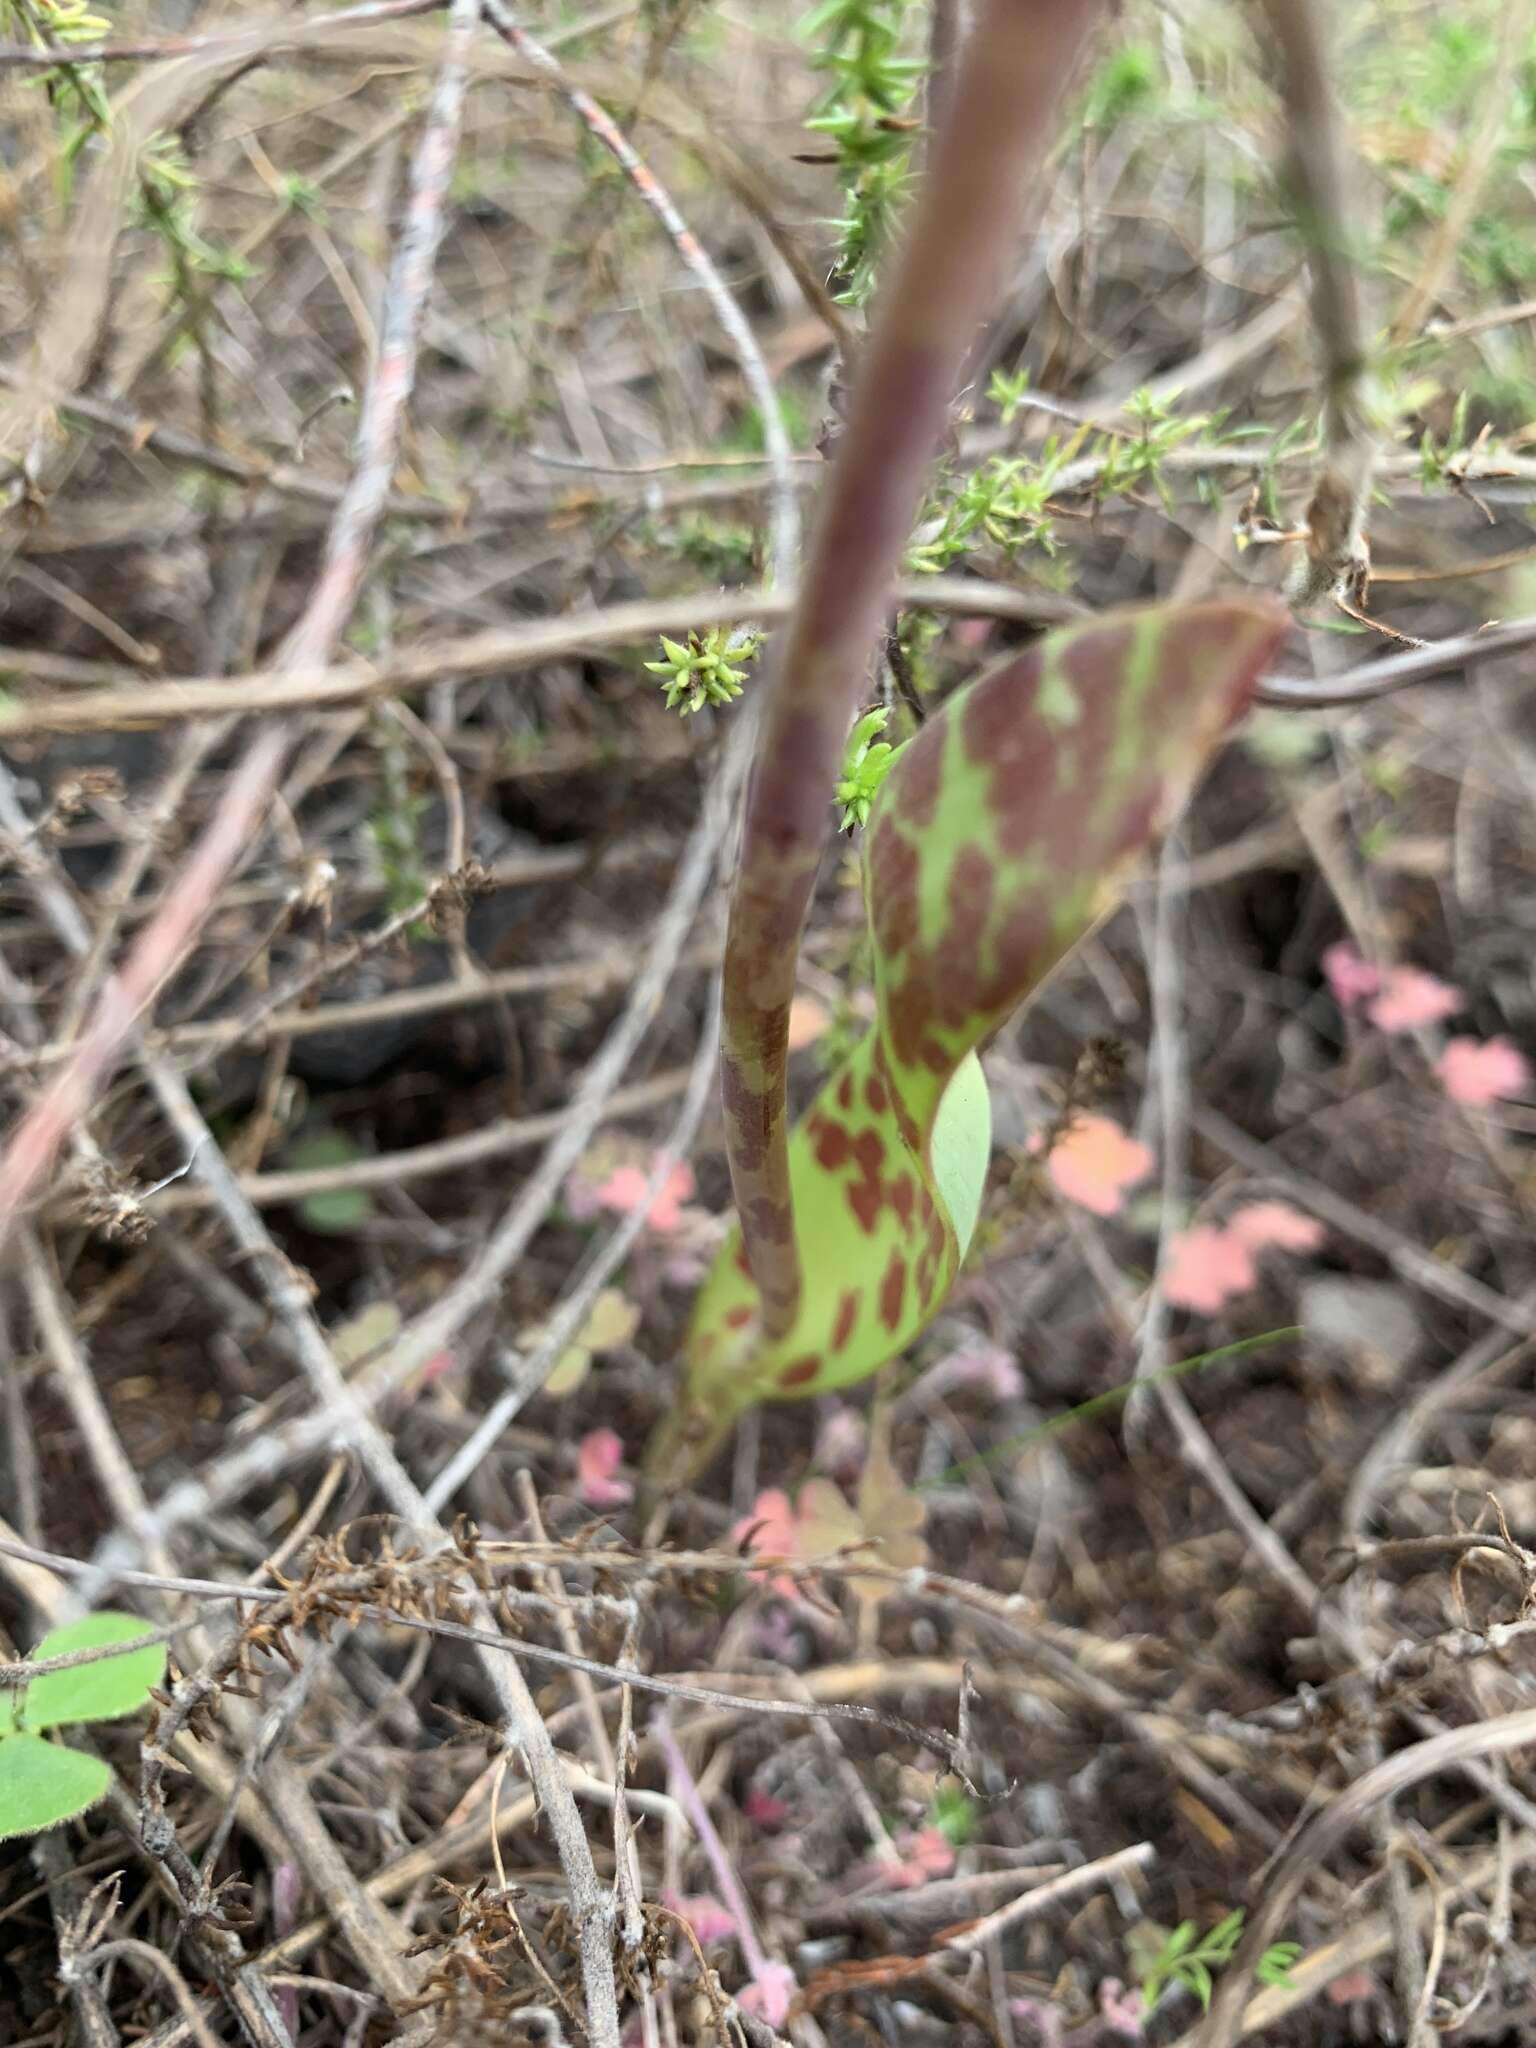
x,y
41,1782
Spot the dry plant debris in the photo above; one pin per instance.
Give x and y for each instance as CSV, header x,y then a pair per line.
x,y
401,404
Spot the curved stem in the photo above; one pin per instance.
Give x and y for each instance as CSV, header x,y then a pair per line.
x,y
983,181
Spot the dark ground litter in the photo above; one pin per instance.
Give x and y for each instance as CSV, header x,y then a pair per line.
x,y
1183,1623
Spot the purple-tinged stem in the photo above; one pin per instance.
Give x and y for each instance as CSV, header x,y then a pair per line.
x,y
685,1786
982,185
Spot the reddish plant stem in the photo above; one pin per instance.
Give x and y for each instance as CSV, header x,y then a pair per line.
x,y
168,937
983,182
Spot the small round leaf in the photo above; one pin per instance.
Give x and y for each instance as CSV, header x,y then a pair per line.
x,y
103,1691
42,1784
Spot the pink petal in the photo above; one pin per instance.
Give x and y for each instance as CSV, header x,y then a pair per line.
x,y
667,1215
1094,1162
763,1810
808,1019
842,1436
981,1367
1477,1071
1411,1000
1350,977
1352,1986
926,1852
1206,1269
1261,1226
623,1190
1121,2007
709,1920
684,1269
598,1456
581,1197
771,1532
972,634
771,1993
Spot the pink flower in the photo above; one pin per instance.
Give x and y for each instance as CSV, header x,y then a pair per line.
x,y
771,1531
1260,1226
1120,2007
822,1523
763,1810
624,1191
1351,978
1477,1071
709,1920
1353,1986
1206,1269
771,1993
972,635
842,1437
808,1021
979,1367
1214,1263
1094,1162
1411,1000
925,1852
598,1457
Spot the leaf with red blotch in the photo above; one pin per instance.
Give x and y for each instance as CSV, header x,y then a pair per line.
x,y
1478,1071
1003,831
1206,1269
1351,978
1265,1226
598,1457
1411,1000
1094,1162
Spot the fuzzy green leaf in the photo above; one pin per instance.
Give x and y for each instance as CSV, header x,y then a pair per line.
x,y
42,1784
101,1691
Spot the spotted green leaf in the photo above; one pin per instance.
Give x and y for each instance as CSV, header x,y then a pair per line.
x,y
1000,835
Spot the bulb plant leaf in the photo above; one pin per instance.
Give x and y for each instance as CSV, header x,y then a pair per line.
x,y
997,838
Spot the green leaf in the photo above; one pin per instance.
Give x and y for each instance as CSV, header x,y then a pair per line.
x,y
998,836
1274,1966
42,1784
1224,1936
339,1211
102,1691
366,1334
